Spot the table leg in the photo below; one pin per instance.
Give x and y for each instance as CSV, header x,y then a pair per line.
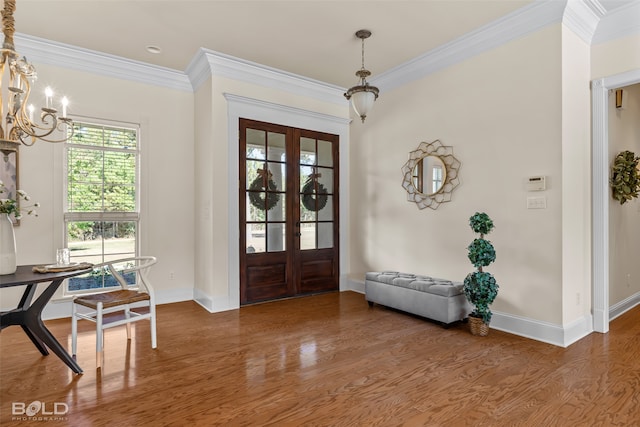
x,y
33,322
25,301
35,340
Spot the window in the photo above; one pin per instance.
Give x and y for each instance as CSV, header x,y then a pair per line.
x,y
102,210
437,179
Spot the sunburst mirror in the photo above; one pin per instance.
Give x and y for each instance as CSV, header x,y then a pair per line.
x,y
430,175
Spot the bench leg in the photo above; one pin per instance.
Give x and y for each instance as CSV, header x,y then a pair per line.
x,y
370,303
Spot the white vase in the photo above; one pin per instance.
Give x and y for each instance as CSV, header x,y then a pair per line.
x,y
7,245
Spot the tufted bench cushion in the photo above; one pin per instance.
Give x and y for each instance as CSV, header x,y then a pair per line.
x,y
438,299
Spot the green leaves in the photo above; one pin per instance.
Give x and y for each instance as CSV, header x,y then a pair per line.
x,y
625,177
481,253
481,223
481,289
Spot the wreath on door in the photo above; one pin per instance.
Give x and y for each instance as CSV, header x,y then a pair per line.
x,y
314,201
263,182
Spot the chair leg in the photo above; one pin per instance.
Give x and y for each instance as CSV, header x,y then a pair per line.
x,y
74,330
127,314
99,337
152,311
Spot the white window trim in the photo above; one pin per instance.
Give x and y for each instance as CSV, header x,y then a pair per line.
x,y
102,216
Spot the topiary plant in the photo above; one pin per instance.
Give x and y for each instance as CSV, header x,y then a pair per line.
x,y
481,223
625,177
480,287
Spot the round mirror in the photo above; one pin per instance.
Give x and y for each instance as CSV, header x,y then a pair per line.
x,y
429,175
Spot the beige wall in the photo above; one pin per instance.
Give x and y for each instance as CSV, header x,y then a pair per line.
x,y
167,193
624,220
615,57
502,114
576,178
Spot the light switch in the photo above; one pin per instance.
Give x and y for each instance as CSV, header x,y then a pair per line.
x,y
536,203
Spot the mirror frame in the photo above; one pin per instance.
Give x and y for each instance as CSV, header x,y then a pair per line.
x,y
445,153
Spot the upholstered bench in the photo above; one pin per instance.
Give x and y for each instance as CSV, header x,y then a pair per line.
x,y
437,299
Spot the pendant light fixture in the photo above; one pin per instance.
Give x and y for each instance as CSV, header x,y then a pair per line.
x,y
363,95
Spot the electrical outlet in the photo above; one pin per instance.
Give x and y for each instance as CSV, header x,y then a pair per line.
x,y
171,275
629,280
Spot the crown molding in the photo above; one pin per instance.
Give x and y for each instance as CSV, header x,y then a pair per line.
x,y
76,58
582,17
587,18
623,21
285,109
517,24
208,63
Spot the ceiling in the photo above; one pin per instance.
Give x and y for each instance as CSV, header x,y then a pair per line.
x,y
312,38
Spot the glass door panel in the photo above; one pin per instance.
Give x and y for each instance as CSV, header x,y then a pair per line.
x,y
288,204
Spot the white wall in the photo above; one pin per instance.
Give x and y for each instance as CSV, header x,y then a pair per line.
x,y
624,220
166,228
502,114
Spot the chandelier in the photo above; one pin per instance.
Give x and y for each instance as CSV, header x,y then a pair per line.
x,y
362,95
17,124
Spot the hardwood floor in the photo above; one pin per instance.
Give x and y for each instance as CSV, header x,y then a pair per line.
x,y
326,360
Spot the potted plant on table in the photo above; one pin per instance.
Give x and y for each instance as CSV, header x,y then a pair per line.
x,y
10,206
480,287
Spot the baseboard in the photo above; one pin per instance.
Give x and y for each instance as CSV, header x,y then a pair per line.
x,y
624,306
354,285
543,331
214,304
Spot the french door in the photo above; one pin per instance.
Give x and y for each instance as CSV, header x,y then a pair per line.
x,y
289,229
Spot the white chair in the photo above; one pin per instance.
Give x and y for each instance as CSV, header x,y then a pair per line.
x,y
116,301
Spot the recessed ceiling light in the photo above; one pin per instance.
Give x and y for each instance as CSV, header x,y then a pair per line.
x,y
153,49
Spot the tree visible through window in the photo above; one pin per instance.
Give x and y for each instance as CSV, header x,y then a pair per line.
x,y
101,215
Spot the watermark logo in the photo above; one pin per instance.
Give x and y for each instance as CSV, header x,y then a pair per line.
x,y
39,411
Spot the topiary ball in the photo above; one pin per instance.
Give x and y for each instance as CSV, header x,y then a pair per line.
x,y
481,253
481,223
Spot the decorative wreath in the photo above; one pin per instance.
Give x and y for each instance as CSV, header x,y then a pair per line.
x,y
258,185
308,199
625,177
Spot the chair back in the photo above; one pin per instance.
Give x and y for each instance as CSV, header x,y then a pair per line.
x,y
140,265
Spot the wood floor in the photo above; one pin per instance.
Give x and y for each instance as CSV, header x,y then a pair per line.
x,y
326,360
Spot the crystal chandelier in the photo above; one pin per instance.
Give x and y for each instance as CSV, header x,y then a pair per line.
x,y
17,124
363,95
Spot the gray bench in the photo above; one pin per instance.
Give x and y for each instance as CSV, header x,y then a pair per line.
x,y
437,299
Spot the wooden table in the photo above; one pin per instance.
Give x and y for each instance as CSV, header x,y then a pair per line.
x,y
28,315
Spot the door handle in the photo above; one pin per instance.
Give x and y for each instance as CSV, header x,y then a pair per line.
x,y
298,234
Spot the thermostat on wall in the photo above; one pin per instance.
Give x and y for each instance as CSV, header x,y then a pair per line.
x,y
536,183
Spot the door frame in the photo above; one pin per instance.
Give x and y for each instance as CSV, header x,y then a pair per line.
x,y
264,111
600,191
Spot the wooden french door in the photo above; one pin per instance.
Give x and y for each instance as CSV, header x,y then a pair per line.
x,y
289,229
